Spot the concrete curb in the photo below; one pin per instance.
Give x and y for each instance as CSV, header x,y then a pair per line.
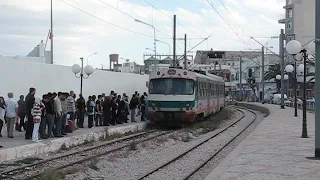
x,y
256,107
55,144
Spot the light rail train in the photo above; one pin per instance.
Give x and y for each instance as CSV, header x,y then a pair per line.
x,y
181,96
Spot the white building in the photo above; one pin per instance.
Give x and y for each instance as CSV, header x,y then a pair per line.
x,y
130,67
38,54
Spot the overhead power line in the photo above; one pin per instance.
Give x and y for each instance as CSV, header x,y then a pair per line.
x,y
211,4
225,7
227,24
105,20
172,18
116,8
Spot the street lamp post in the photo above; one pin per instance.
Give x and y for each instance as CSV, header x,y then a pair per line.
x,y
166,44
290,69
294,47
278,77
88,70
89,56
154,35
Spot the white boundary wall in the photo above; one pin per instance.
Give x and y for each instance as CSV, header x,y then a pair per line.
x,y
18,76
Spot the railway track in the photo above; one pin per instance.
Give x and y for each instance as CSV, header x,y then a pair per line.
x,y
75,157
180,157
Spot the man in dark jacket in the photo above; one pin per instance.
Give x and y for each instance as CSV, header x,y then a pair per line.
x,y
21,113
107,103
29,105
81,106
133,105
50,114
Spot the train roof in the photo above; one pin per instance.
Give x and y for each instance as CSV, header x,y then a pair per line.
x,y
196,73
207,75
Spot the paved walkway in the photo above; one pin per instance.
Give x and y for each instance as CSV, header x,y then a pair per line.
x,y
273,151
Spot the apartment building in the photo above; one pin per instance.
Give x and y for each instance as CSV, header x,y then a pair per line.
x,y
299,20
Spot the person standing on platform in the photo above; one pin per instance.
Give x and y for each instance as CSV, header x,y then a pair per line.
x,y
29,105
58,115
64,107
133,106
36,114
114,108
22,113
90,111
81,107
2,113
43,122
98,119
11,114
143,107
107,109
71,109
146,106
50,114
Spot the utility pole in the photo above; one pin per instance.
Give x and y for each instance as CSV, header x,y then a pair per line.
x,y
174,40
81,75
281,53
317,120
262,75
240,77
185,51
51,35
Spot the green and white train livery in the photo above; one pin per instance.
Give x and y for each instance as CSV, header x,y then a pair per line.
x,y
178,95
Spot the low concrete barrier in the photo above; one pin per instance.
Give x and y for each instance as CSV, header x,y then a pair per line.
x,y
256,107
56,144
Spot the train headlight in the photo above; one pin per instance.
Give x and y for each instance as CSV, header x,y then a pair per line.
x,y
153,106
187,106
185,73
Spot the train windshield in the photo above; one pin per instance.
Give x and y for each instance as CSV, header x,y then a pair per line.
x,y
171,86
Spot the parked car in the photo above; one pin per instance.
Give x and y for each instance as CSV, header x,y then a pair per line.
x,y
277,98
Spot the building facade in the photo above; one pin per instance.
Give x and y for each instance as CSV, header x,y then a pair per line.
x,y
227,65
299,20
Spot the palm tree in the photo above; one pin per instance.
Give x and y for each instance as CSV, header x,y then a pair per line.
x,y
272,73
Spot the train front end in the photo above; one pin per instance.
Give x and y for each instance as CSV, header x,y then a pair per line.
x,y
171,98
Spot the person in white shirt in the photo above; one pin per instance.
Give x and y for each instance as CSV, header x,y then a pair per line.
x,y
11,114
58,114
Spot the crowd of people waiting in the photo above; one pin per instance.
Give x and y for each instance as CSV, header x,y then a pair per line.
x,y
57,114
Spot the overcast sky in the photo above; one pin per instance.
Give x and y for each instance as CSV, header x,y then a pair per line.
x,y
24,23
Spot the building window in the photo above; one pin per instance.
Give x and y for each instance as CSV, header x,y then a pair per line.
x,y
289,13
237,76
289,25
308,71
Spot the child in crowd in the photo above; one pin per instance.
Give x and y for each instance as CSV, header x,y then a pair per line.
x,y
36,113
